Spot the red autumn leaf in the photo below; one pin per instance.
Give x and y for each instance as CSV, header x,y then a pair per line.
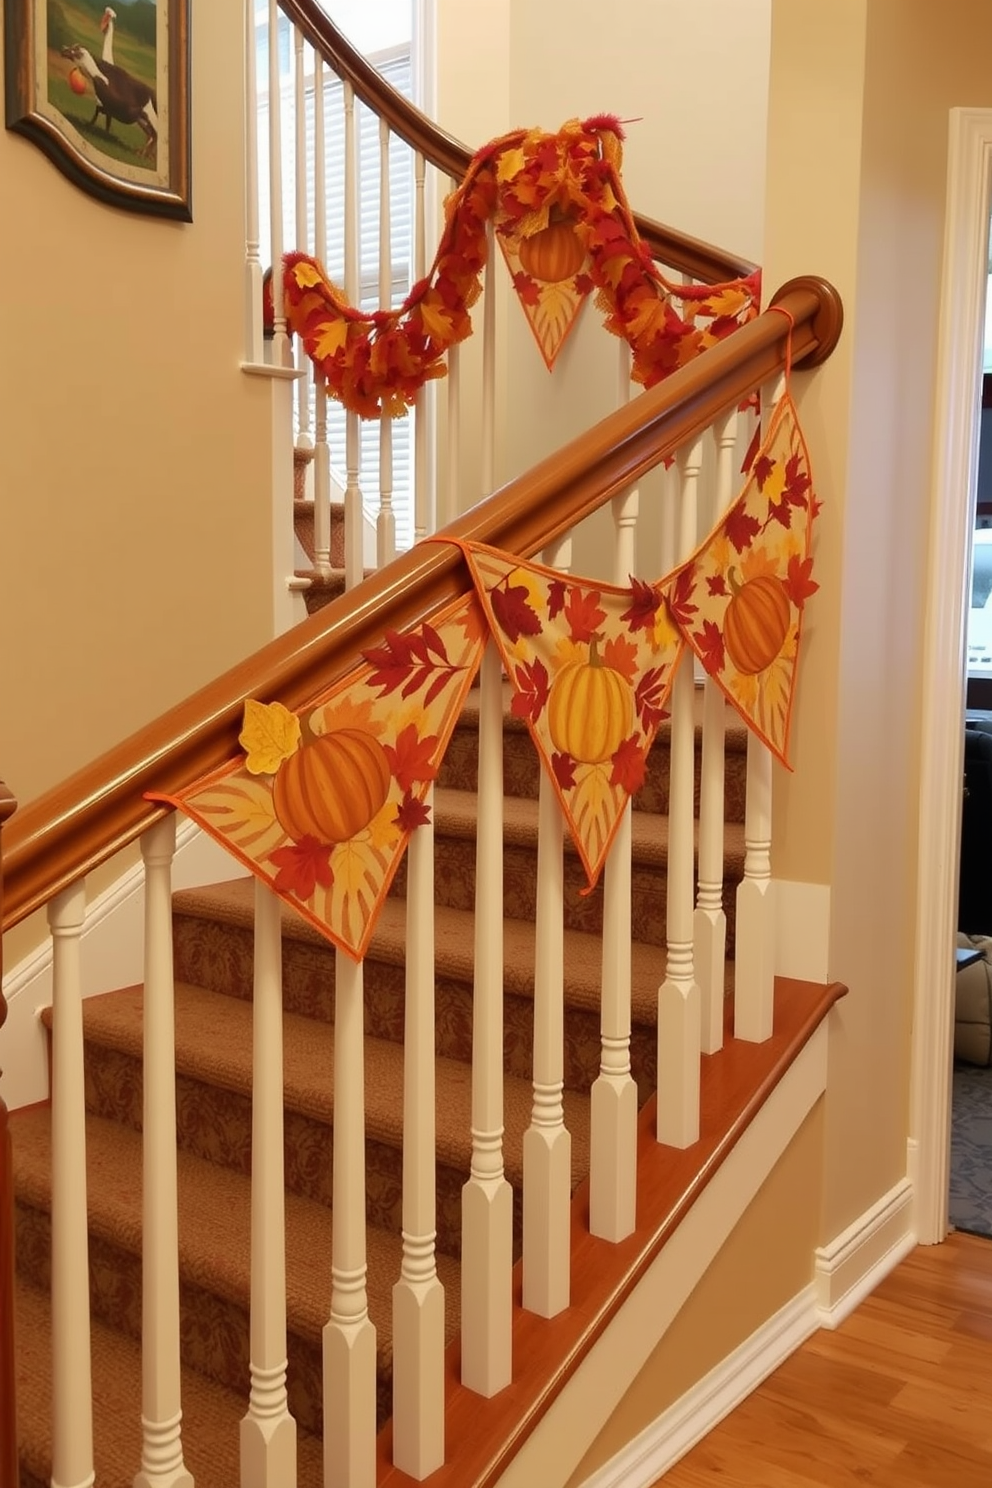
x,y
680,599
715,585
564,767
710,640
412,813
621,655
434,642
302,866
646,599
391,662
531,686
410,760
798,584
514,615
780,511
583,613
741,528
629,764
797,481
649,698
527,289
763,467
556,598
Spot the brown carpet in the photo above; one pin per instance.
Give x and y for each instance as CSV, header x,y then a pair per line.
x,y
213,963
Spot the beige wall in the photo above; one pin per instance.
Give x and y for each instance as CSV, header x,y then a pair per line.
x,y
858,120
135,548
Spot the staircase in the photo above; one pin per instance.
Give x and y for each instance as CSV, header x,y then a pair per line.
x,y
213,946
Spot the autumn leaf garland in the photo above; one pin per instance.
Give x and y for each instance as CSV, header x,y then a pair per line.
x,y
374,363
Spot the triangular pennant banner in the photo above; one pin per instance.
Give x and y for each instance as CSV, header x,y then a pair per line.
x,y
551,278
322,803
591,667
739,600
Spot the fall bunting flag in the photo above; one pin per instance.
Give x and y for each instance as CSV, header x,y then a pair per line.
x,y
739,600
591,667
321,804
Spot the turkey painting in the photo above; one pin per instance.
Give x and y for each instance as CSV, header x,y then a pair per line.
x,y
104,91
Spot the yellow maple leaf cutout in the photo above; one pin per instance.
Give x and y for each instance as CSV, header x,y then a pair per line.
x,y
306,275
510,163
330,338
269,735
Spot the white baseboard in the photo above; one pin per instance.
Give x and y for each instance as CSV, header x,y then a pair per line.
x,y
847,1270
855,1262
659,1446
112,956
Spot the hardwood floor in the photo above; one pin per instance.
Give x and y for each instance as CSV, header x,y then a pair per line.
x,y
899,1396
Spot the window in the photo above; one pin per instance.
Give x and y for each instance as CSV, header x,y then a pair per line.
x,y
384,32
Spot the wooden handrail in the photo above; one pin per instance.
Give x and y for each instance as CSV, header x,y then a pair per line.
x,y
8,1414
82,822
676,250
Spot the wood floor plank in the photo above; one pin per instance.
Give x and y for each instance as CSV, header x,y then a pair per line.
x,y
899,1396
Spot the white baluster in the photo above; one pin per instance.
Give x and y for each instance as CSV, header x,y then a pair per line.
x,y
754,947
613,1156
354,515
322,453
424,516
268,1431
72,1389
162,1464
547,1141
487,1199
304,441
349,1335
254,340
280,340
489,366
679,1031
451,503
710,920
418,1296
386,524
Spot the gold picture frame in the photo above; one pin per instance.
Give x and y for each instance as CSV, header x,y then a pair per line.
x,y
105,93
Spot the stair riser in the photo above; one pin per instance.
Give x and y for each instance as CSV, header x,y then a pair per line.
x,y
454,886
308,989
215,1124
522,770
214,1331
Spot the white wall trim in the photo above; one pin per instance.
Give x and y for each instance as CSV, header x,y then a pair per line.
x,y
677,1430
855,1261
955,464
802,930
112,956
564,1434
847,1270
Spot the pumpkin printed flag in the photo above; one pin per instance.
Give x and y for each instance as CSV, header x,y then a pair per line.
x,y
591,668
739,600
321,804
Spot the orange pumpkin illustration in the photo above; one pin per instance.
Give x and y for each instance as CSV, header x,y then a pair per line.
x,y
333,785
553,254
756,622
590,709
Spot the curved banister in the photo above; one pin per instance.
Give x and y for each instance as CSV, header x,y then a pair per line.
x,y
676,250
83,821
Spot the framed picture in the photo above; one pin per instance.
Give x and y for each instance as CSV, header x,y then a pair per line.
x,y
104,91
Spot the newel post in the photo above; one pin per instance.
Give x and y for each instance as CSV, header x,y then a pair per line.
x,y
8,1415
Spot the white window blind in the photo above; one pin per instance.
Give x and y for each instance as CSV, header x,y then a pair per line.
x,y
395,66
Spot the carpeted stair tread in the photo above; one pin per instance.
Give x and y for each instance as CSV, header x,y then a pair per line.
x,y
213,1043
215,1225
233,903
211,1413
